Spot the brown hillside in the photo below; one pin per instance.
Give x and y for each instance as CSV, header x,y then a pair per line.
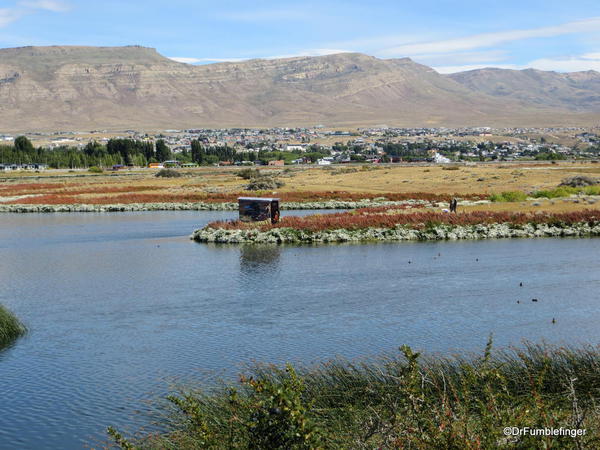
x,y
78,88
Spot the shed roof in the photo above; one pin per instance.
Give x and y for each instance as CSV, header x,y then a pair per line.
x,y
259,199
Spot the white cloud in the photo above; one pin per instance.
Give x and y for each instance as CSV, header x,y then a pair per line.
x,y
591,56
464,68
590,61
187,60
23,8
455,59
48,5
490,39
581,63
7,16
309,52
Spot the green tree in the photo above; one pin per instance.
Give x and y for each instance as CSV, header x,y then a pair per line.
x,y
198,152
163,153
22,144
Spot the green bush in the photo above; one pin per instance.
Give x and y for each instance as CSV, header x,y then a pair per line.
x,y
509,196
10,327
264,183
168,173
592,190
566,191
248,173
95,169
343,170
558,192
405,401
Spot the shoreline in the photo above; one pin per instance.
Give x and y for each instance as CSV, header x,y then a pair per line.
x,y
201,206
395,234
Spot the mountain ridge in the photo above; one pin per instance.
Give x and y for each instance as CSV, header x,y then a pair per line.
x,y
78,87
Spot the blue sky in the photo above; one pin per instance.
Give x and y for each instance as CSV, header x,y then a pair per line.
x,y
449,35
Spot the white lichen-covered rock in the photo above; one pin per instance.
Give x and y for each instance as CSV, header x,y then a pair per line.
x,y
202,206
398,233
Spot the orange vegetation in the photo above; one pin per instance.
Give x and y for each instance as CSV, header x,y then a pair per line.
x,y
373,217
139,194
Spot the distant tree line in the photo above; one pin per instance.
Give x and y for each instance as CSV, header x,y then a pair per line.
x,y
205,154
116,151
139,153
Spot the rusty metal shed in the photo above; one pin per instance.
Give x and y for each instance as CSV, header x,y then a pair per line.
x,y
257,209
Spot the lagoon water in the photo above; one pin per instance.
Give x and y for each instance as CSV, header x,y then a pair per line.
x,y
121,307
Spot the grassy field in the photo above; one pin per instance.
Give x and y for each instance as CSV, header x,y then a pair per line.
x,y
366,181
404,401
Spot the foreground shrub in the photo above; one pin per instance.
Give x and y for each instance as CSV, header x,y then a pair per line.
x,y
566,191
264,183
390,217
248,173
509,196
559,192
579,181
343,171
168,173
10,327
95,169
403,401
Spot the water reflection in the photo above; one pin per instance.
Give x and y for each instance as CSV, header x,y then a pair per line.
x,y
4,347
259,258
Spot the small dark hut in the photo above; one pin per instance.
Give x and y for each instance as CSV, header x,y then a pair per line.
x,y
255,209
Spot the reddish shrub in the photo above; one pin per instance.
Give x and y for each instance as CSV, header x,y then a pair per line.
x,y
130,194
28,188
419,220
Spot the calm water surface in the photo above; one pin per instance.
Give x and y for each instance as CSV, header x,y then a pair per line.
x,y
122,306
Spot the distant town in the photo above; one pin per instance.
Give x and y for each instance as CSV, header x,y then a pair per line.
x,y
284,146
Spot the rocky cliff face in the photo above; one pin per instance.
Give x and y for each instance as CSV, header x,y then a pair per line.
x,y
77,88
578,91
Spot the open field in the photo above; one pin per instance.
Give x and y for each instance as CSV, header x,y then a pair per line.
x,y
351,182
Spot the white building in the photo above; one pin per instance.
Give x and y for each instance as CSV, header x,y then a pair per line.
x,y
439,159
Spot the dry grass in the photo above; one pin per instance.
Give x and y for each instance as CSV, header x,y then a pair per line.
x,y
468,179
218,184
181,196
553,206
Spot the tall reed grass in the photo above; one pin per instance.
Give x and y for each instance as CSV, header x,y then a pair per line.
x,y
10,327
403,401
